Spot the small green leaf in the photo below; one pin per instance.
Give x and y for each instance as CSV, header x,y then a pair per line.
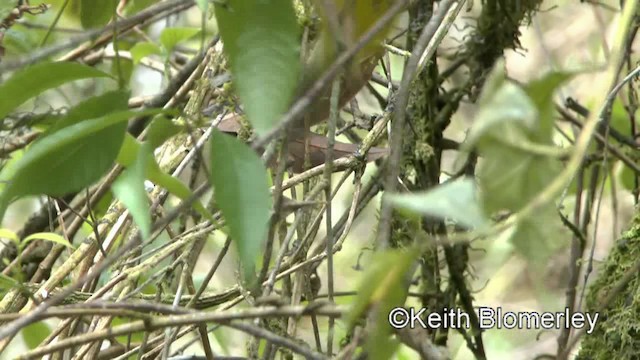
x,y
93,107
509,106
6,7
261,42
94,14
8,234
7,283
129,188
86,150
144,49
35,333
47,236
161,129
241,191
203,5
541,92
127,156
170,37
383,288
31,81
510,178
538,237
628,178
454,200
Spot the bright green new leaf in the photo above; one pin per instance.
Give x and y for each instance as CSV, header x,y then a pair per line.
x,y
7,283
129,188
383,288
94,107
127,156
538,237
31,81
203,5
47,236
262,44
8,234
161,129
509,106
456,200
170,37
144,49
6,6
241,191
35,333
95,14
510,178
86,150
541,92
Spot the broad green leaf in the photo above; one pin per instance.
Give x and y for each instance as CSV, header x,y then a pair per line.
x,y
8,234
541,92
262,44
6,7
47,236
508,107
170,37
161,129
628,177
135,6
203,5
7,283
95,14
454,200
241,191
86,150
510,178
35,333
127,156
31,81
144,49
19,41
129,188
93,107
383,288
136,337
538,237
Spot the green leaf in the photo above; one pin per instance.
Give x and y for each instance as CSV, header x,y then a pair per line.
x,y
47,236
262,44
93,107
144,49
31,81
203,5
94,14
127,156
627,177
170,37
7,283
6,7
383,288
161,129
129,188
538,237
454,200
508,107
510,178
86,150
241,191
8,234
541,92
35,333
